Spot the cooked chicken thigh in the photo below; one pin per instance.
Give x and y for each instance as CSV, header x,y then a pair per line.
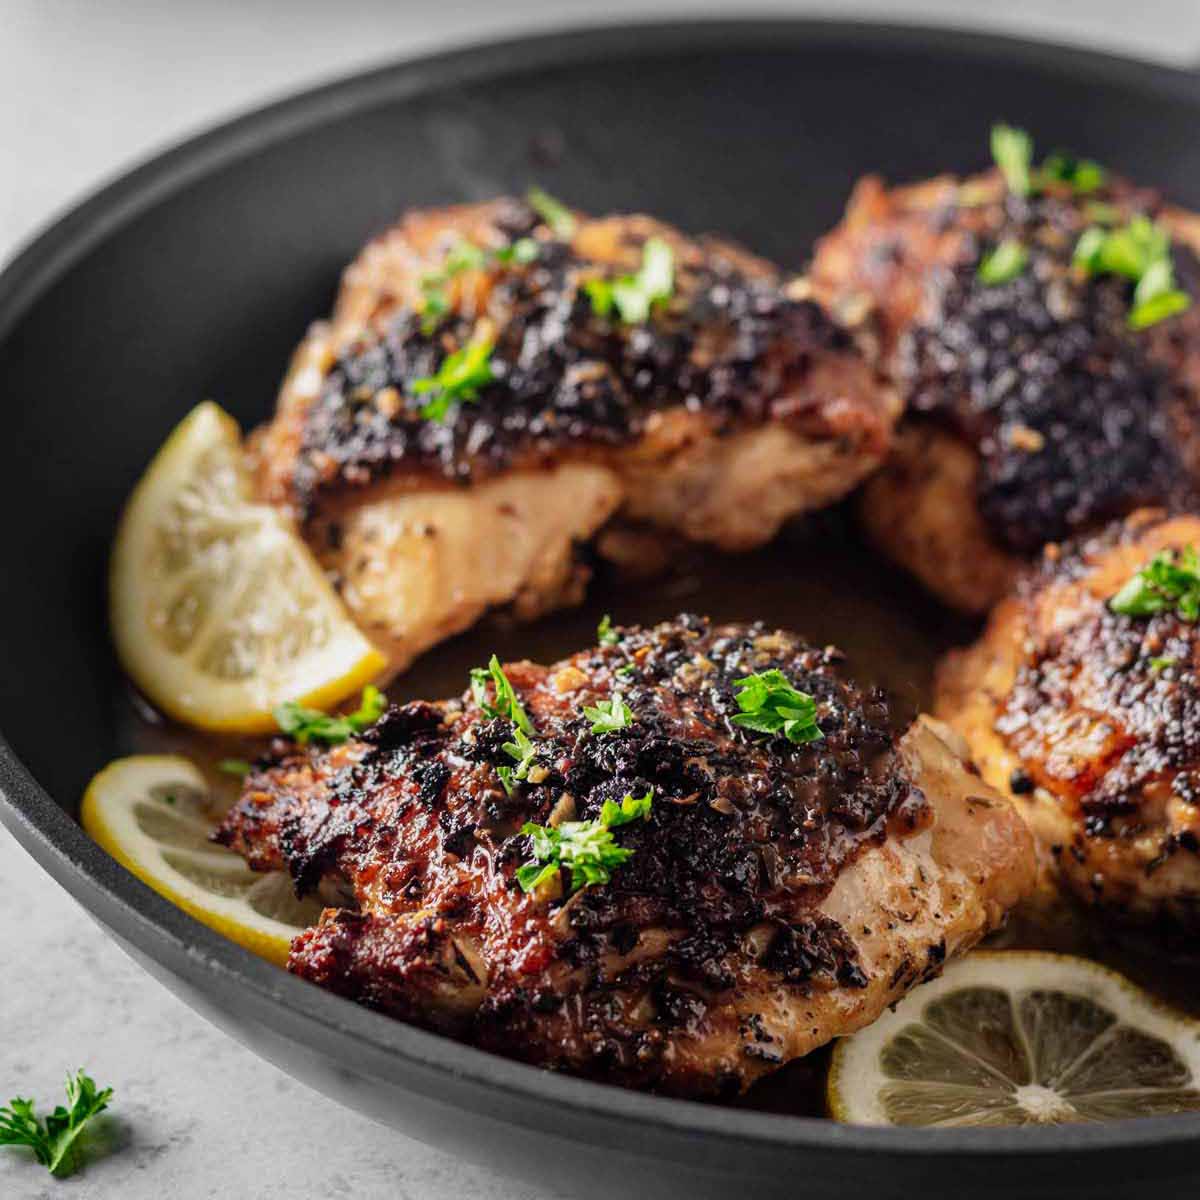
x,y
1034,410
1090,720
765,895
714,412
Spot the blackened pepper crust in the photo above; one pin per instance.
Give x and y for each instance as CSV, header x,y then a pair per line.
x,y
729,344
1075,417
746,836
1072,417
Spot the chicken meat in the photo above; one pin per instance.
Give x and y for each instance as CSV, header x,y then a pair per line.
x,y
749,897
1089,719
1034,410
494,392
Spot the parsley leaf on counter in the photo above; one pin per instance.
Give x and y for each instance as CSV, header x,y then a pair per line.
x,y
1170,581
633,296
304,724
1003,263
459,378
234,766
506,703
587,848
554,213
53,1139
769,704
607,716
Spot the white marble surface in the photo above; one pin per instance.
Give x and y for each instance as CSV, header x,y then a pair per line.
x,y
86,88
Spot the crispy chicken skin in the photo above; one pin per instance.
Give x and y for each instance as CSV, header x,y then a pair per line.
x,y
731,408
1033,411
1090,720
777,895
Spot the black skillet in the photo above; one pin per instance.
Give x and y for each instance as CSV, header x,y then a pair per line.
x,y
195,274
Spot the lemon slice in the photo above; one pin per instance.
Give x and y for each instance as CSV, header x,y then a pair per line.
x,y
1018,1038
219,611
153,814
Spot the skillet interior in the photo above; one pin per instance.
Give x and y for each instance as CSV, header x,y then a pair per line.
x,y
196,275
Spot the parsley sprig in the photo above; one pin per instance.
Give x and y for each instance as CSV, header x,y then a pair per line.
x,y
1003,263
634,296
505,701
307,724
554,213
607,716
459,378
769,704
586,848
1140,251
1170,581
1012,149
53,1139
523,752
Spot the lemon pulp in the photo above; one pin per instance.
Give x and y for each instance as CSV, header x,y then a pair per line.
x,y
1019,1038
219,611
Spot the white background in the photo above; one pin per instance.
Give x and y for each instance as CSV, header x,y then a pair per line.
x,y
88,87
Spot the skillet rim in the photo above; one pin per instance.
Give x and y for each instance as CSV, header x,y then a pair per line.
x,y
186,948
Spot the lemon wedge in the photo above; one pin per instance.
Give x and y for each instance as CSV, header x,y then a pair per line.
x,y
219,611
153,814
1018,1038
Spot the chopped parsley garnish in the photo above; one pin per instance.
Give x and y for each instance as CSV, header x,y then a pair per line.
x,y
769,704
1003,263
1140,251
234,766
53,1138
554,213
523,251
606,635
1170,581
1162,662
587,848
303,725
1102,213
634,296
523,752
506,702
459,378
1082,174
625,671
1013,151
466,256
607,716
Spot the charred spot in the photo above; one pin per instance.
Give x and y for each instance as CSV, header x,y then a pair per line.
x,y
677,1008
1020,782
432,778
814,949
401,723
